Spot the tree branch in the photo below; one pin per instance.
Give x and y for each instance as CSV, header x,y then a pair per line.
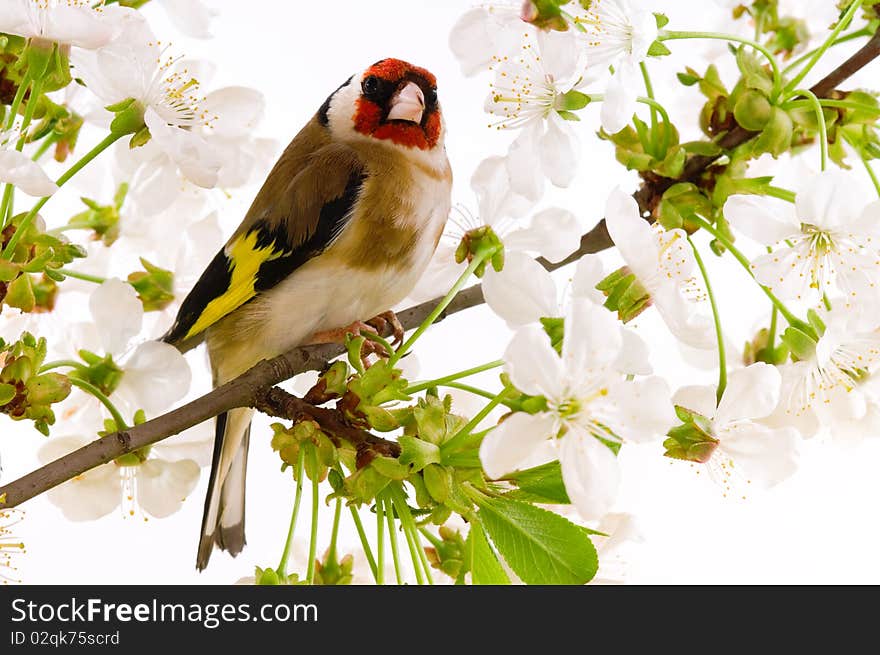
x,y
255,388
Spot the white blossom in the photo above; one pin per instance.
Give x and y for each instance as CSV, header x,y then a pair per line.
x,y
619,34
527,95
589,404
747,451
663,262
828,242
67,22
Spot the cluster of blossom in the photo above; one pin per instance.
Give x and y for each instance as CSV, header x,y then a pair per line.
x,y
174,179
821,258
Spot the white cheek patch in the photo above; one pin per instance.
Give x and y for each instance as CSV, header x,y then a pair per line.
x,y
342,109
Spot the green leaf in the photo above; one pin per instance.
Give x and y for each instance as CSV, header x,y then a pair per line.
x,y
541,547
687,79
484,565
417,452
658,49
662,20
541,484
573,100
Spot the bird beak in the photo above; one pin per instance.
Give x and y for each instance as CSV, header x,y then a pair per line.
x,y
408,104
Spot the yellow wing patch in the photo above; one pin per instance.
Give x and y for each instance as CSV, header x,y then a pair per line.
x,y
245,259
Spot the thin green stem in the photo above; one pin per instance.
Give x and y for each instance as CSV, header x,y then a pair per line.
x,y
820,121
870,169
392,534
649,91
365,544
843,39
771,333
436,542
29,109
667,131
398,498
97,393
477,261
777,75
334,534
36,89
842,24
82,276
73,170
288,544
833,104
743,260
462,434
62,363
380,542
439,382
16,101
470,389
719,332
47,143
313,539
778,192
6,205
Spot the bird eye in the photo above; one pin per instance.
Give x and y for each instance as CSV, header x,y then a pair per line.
x,y
370,85
431,97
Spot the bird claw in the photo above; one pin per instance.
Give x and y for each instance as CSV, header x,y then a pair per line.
x,y
387,324
357,329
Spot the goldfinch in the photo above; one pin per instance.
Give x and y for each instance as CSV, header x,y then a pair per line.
x,y
340,231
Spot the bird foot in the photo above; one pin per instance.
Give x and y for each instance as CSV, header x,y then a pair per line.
x,y
358,328
387,324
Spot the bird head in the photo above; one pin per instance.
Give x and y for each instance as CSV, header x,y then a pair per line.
x,y
392,102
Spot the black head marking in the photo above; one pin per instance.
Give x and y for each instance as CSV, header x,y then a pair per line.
x,y
323,118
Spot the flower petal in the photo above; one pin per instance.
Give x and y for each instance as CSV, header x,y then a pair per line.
x,y
631,234
560,151
236,110
25,174
118,314
765,220
532,364
634,357
688,321
620,99
752,392
522,292
592,337
590,472
197,160
507,446
88,496
764,456
495,196
483,33
191,17
163,486
587,274
553,234
526,178
641,410
830,201
697,398
156,375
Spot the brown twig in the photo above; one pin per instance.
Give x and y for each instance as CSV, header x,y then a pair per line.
x,y
280,404
254,388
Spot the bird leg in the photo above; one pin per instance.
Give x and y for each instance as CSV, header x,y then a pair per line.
x,y
388,325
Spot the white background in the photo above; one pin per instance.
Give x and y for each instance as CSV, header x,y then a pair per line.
x,y
819,526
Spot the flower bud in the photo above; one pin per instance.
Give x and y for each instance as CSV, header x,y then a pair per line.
x,y
625,294
438,481
692,440
752,110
